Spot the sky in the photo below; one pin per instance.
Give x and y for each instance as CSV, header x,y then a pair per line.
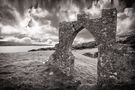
x,y
37,21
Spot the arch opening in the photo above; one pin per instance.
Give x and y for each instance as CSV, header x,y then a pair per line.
x,y
83,36
85,50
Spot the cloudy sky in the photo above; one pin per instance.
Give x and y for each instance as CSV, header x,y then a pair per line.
x,y
36,21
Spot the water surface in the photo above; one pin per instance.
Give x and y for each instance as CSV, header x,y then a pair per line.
x,y
10,49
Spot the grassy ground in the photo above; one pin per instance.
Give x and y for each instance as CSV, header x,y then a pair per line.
x,y
26,69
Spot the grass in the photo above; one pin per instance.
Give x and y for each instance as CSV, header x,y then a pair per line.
x,y
26,71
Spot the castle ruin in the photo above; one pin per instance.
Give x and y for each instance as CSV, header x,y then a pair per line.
x,y
114,65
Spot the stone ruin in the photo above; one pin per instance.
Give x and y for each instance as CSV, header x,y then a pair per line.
x,y
114,65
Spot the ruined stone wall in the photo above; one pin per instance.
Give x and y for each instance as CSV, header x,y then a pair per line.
x,y
110,59
104,31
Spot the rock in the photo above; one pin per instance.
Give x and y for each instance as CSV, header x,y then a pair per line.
x,y
95,55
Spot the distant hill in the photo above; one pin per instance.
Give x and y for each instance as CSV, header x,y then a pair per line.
x,y
86,45
126,39
91,44
8,43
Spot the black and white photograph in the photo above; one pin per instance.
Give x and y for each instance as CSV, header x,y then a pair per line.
x,y
67,44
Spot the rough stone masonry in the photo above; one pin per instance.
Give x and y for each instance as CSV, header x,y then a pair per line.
x,y
114,64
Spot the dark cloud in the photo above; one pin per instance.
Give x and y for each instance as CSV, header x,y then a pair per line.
x,y
128,3
22,5
53,6
9,9
6,15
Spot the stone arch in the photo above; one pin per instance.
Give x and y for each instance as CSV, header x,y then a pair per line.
x,y
104,31
83,36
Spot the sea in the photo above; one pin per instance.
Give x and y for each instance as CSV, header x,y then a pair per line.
x,y
13,49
